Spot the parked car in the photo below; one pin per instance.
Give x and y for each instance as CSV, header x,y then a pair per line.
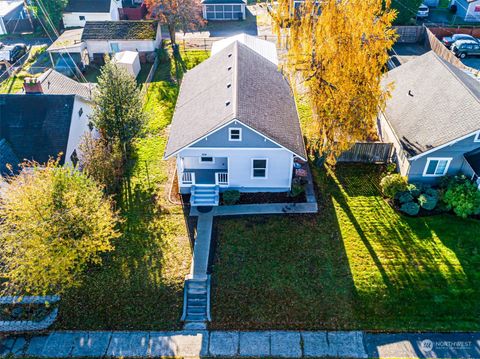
x,y
448,41
464,48
423,12
12,53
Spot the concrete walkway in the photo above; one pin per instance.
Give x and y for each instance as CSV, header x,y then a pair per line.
x,y
201,249
286,344
252,209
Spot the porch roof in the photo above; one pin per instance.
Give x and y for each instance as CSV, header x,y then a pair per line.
x,y
235,84
473,159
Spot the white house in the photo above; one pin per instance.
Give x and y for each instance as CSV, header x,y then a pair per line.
x,y
265,48
468,10
235,126
77,12
38,126
107,37
224,9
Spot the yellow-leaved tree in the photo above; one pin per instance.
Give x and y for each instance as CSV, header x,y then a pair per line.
x,y
54,221
337,53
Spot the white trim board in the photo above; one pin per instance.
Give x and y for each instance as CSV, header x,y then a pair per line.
x,y
429,159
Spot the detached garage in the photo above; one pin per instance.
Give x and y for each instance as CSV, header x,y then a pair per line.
x,y
224,9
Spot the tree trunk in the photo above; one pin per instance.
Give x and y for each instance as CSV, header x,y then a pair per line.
x,y
171,31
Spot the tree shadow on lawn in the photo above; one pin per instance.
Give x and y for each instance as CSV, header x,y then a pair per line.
x,y
419,282
140,284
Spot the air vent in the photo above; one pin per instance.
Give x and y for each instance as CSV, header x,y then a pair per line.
x,y
229,55
229,85
229,68
227,103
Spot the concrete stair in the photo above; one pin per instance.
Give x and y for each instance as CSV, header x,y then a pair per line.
x,y
196,303
204,196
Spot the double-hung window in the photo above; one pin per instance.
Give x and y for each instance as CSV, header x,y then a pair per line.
x,y
234,134
436,167
259,168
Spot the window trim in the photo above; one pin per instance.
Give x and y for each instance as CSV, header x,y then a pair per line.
x,y
477,137
200,159
429,159
230,129
252,168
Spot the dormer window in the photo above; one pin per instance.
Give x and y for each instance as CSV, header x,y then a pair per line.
x,y
234,134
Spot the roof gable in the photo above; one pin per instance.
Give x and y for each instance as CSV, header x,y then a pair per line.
x,y
36,126
433,103
54,83
236,83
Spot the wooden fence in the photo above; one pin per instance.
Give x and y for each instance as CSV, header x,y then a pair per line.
x,y
410,34
441,31
150,75
368,152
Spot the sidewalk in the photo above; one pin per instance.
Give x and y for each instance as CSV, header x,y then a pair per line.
x,y
286,344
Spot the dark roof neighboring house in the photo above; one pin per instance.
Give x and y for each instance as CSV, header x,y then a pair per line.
x,y
120,30
236,83
7,157
36,126
88,6
211,2
433,103
54,83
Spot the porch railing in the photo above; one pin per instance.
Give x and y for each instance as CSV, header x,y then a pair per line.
x,y
188,178
221,178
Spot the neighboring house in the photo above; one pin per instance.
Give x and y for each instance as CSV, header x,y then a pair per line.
x,y
224,9
54,83
68,53
433,119
13,17
265,48
37,126
468,10
107,37
77,12
235,126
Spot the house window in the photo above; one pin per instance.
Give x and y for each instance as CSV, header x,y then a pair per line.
x,y
115,47
436,167
206,159
477,137
81,18
80,112
259,168
234,134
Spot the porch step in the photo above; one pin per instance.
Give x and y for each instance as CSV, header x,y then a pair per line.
x,y
204,196
196,305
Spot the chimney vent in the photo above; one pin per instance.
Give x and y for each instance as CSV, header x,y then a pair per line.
x,y
31,85
410,93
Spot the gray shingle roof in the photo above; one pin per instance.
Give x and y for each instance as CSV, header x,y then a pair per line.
x,y
7,157
433,103
259,96
88,6
36,126
120,30
54,83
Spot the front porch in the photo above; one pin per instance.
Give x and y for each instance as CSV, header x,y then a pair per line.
x,y
214,177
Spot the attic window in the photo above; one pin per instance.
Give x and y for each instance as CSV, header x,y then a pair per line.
x,y
234,134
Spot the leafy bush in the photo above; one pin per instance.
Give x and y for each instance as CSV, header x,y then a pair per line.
x,y
404,197
462,196
415,190
410,208
231,196
393,184
429,199
391,167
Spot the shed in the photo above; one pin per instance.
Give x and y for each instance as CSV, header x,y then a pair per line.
x,y
129,60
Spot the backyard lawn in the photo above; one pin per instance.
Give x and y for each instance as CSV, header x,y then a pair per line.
x,y
140,284
357,264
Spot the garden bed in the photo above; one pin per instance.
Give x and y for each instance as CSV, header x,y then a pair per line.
x,y
270,197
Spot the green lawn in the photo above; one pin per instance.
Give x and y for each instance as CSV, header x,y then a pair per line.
x,y
357,264
140,284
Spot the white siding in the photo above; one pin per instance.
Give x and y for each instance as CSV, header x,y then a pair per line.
x,y
104,46
240,166
471,14
72,19
78,126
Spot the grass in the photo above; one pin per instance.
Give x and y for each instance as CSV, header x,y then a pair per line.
x,y
140,285
357,264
